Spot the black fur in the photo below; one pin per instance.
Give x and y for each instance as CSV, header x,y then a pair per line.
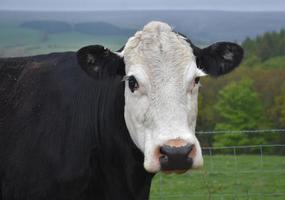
x,y
63,135
219,58
214,59
100,62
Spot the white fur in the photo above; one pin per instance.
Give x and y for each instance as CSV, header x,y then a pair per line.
x,y
121,54
165,105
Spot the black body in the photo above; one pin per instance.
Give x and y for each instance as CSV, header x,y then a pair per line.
x,y
63,135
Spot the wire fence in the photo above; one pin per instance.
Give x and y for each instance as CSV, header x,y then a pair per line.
x,y
242,131
229,172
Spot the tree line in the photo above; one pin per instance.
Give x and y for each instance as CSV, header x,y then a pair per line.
x,y
250,98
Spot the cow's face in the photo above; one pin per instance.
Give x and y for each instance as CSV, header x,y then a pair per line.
x,y
161,70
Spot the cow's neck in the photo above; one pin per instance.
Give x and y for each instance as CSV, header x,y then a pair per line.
x,y
121,162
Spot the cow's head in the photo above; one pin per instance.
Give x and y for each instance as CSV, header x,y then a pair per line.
x,y
161,69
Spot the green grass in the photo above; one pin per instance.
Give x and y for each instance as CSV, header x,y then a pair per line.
x,y
226,177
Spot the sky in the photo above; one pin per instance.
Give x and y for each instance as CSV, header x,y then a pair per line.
x,y
79,5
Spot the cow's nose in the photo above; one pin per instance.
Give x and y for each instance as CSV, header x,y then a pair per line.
x,y
175,158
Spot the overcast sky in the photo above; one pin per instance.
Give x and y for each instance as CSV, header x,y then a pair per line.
x,y
234,5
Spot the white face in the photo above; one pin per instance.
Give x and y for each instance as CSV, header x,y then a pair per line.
x,y
163,109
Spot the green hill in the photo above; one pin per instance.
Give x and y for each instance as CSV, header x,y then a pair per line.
x,y
92,28
48,26
265,51
102,28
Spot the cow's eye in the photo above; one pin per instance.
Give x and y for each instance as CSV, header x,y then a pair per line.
x,y
197,79
133,84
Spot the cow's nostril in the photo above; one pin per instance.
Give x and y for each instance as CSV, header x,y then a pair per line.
x,y
163,159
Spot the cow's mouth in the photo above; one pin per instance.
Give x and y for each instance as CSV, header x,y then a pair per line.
x,y
174,171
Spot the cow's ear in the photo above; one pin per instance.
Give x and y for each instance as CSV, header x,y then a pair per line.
x,y
219,58
100,62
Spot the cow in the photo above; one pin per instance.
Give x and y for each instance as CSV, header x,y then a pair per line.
x,y
97,124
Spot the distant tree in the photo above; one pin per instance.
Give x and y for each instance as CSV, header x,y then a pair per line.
x,y
239,108
264,47
204,119
278,109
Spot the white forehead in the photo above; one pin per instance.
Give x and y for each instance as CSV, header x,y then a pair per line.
x,y
159,50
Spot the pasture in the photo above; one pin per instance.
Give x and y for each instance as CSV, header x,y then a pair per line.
x,y
19,41
226,177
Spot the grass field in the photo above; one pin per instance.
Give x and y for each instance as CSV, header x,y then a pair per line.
x,y
18,41
248,177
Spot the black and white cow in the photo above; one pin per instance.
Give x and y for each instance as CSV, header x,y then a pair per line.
x,y
69,134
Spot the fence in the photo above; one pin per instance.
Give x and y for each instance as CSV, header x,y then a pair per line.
x,y
229,172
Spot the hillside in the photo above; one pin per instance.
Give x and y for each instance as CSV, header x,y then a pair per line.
x,y
93,28
102,28
201,26
265,51
47,26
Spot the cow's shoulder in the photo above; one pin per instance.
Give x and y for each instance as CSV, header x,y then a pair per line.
x,y
23,77
13,70
46,125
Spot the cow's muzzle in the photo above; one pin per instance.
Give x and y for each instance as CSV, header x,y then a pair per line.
x,y
173,158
